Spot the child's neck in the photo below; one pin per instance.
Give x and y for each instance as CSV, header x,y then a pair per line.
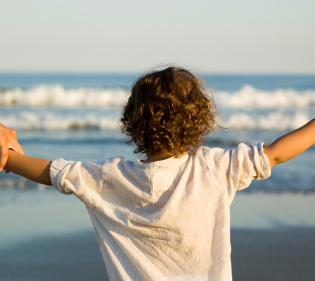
x,y
157,157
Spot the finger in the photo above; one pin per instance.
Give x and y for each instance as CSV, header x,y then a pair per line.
x,y
4,155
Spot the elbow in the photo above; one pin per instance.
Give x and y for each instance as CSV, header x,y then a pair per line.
x,y
47,182
278,160
273,159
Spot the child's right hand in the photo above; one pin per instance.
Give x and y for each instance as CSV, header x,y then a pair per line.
x,y
8,141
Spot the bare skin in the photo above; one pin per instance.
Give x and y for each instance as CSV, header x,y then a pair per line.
x,y
281,150
8,141
35,169
292,144
157,157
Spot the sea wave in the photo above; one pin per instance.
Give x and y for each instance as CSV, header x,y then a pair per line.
x,y
57,96
250,97
275,121
33,121
53,121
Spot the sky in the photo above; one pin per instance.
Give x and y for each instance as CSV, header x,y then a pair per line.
x,y
240,36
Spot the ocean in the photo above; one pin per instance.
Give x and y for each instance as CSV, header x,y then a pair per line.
x,y
75,116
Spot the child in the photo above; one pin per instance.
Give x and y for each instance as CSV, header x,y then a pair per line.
x,y
167,217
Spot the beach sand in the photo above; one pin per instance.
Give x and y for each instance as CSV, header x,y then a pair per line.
x,y
70,257
273,255
273,238
257,255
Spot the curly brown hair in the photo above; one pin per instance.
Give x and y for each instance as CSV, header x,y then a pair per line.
x,y
169,110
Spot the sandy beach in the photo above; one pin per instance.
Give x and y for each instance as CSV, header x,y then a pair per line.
x,y
275,255
65,257
278,255
273,238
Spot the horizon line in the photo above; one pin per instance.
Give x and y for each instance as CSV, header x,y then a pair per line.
x,y
115,72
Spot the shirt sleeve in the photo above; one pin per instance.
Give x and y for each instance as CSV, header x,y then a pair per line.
x,y
236,168
248,162
82,179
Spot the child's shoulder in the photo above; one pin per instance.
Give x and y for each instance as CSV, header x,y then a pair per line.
x,y
114,160
240,149
206,150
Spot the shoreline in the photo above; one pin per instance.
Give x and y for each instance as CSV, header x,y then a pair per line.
x,y
274,254
49,236
71,257
272,211
284,254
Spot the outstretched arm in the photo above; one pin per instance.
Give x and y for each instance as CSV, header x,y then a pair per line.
x,y
35,169
291,145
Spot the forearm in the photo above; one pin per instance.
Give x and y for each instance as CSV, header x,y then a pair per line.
x,y
35,169
291,145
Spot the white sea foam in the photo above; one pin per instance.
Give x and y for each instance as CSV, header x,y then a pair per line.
x,y
52,121
276,121
57,96
249,97
53,97
31,121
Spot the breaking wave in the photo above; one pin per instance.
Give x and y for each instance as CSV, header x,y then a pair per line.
x,y
249,97
52,121
57,96
33,121
275,121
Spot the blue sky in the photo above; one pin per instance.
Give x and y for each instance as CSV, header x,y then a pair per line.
x,y
239,36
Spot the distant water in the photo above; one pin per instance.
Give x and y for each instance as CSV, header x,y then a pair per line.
x,y
75,116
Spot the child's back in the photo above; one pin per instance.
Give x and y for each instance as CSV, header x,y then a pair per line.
x,y
165,220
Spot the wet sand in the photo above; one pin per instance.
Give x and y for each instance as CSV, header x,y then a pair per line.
x,y
73,257
273,255
257,255
45,236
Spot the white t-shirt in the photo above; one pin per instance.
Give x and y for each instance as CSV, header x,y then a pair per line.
x,y
165,220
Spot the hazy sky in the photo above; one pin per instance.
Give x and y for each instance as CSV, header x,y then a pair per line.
x,y
270,36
